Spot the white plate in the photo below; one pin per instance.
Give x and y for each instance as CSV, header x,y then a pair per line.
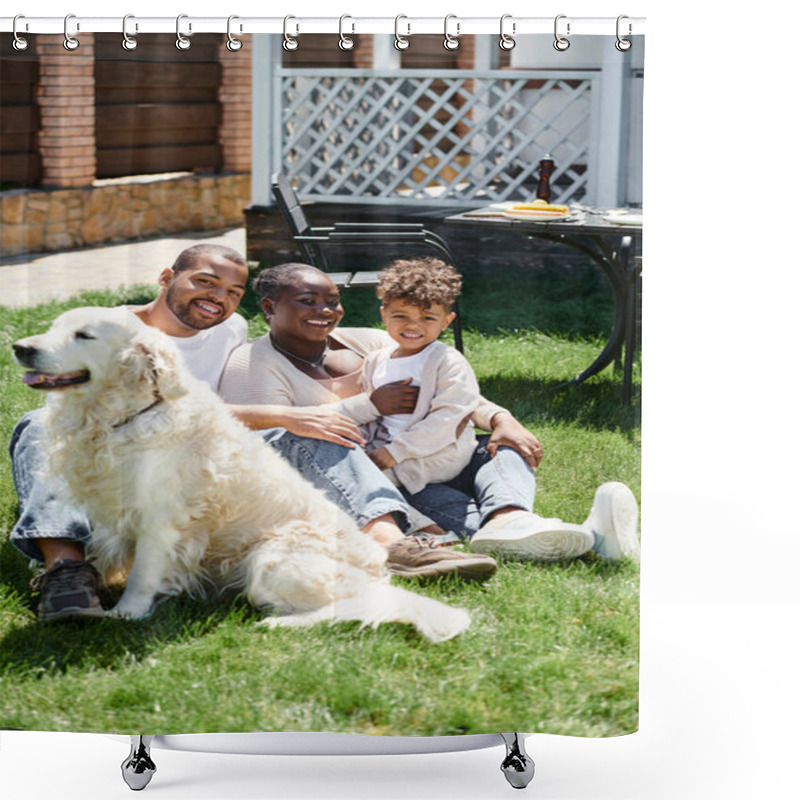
x,y
536,216
624,219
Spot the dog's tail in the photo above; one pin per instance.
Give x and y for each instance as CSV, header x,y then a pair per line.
x,y
384,603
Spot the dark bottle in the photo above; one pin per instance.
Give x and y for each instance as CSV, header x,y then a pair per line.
x,y
546,167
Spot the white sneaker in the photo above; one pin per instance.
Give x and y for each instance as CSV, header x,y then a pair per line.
x,y
613,521
521,534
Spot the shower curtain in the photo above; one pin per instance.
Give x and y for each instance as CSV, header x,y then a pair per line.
x,y
157,144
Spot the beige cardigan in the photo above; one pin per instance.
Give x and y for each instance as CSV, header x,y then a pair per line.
x,y
257,373
440,438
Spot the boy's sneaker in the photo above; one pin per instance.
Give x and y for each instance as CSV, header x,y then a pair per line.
x,y
526,536
68,589
416,557
613,521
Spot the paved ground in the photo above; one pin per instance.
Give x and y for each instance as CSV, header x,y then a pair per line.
x,y
27,281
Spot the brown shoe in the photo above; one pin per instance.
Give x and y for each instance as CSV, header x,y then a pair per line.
x,y
415,557
68,590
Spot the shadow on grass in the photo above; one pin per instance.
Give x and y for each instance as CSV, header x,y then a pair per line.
x,y
31,646
595,404
34,646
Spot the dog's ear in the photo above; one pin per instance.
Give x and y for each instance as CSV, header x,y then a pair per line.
x,y
154,359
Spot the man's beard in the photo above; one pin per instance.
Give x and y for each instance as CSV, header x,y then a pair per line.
x,y
185,313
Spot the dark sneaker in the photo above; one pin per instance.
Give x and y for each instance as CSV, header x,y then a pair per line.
x,y
416,557
68,589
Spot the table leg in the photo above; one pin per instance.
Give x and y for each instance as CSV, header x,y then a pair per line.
x,y
631,333
614,264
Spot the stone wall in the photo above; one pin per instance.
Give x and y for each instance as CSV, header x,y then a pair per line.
x,y
37,220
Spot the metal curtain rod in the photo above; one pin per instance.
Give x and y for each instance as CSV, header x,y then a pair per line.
x,y
300,25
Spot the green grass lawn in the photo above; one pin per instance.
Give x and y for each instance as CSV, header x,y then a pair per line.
x,y
552,647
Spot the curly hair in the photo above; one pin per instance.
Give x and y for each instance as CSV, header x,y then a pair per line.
x,y
271,282
421,282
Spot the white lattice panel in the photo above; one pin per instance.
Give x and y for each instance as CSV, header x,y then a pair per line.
x,y
409,136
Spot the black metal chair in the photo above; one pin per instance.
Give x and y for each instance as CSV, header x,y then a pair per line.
x,y
313,241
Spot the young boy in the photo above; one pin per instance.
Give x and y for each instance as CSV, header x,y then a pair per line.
x,y
435,442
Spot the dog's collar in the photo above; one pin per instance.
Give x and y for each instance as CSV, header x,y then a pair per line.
x,y
159,399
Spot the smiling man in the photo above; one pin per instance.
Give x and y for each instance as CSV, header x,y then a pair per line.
x,y
199,295
196,305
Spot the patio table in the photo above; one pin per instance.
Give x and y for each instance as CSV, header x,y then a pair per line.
x,y
609,243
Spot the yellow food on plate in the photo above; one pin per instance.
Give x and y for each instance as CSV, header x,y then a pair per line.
x,y
540,207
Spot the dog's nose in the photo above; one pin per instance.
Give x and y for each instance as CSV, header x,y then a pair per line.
x,y
24,352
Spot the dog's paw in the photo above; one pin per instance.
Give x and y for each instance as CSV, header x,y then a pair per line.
x,y
130,612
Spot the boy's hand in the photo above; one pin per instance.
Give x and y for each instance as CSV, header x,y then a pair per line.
x,y
382,458
508,432
395,398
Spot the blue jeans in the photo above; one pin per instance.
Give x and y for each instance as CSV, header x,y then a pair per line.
x,y
486,485
347,476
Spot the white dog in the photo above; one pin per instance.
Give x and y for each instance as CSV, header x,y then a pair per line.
x,y
174,483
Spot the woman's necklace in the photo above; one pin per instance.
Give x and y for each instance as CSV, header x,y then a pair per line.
x,y
315,363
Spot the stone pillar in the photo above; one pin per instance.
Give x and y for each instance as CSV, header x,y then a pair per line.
x,y
66,104
235,97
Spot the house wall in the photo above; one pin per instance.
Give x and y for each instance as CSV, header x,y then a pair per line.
x,y
620,133
71,207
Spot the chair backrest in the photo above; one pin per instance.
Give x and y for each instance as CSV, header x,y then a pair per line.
x,y
289,204
295,217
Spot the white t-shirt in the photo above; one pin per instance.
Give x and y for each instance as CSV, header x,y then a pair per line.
x,y
207,352
389,370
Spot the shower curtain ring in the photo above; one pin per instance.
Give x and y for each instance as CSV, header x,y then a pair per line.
x,y
129,42
182,43
561,43
345,42
289,43
70,42
451,40
233,44
507,42
20,42
621,44
401,42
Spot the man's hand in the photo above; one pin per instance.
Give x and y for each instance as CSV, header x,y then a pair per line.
x,y
382,458
507,432
395,398
319,422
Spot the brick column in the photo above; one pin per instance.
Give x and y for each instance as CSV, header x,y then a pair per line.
x,y
235,97
364,51
66,104
465,55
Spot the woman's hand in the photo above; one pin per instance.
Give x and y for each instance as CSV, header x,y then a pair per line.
x,y
508,432
382,458
395,398
319,422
